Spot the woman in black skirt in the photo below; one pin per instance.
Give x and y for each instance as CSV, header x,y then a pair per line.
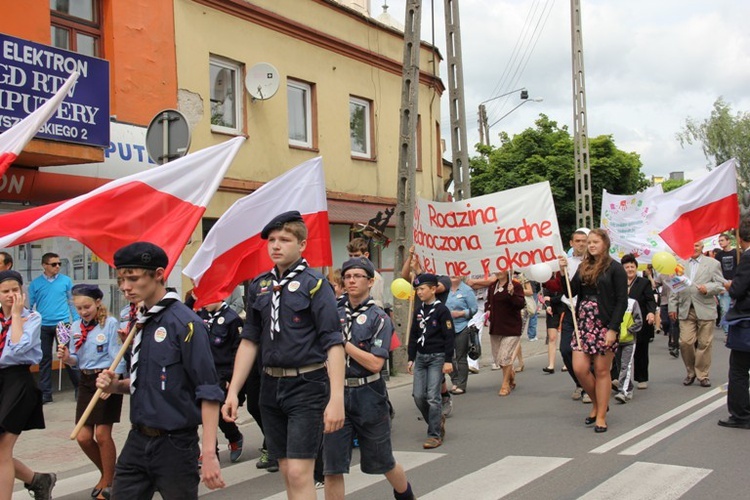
x,y
20,398
94,346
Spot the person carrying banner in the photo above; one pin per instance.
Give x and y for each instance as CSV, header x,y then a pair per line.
x,y
431,345
94,348
367,329
462,304
292,319
173,385
601,286
20,400
505,300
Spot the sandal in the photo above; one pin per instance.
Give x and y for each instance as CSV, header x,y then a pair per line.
x,y
504,391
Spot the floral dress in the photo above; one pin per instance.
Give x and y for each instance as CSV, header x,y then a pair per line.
x,y
592,331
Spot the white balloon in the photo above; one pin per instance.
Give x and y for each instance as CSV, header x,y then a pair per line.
x,y
539,272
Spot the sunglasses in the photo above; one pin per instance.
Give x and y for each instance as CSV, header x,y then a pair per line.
x,y
54,264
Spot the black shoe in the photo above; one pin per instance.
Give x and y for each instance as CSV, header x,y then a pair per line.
x,y
688,380
41,486
548,370
600,428
589,420
675,353
734,423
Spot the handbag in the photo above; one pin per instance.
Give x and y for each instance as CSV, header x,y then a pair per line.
x,y
531,305
738,338
475,348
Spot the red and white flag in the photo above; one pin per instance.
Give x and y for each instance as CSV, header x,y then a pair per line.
x,y
697,210
13,140
233,250
161,206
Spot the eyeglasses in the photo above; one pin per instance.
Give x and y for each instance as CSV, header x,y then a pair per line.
x,y
354,276
54,264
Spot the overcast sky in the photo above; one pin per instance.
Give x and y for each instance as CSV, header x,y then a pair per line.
x,y
649,65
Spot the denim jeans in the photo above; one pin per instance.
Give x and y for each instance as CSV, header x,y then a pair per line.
x,y
531,332
460,373
428,377
725,302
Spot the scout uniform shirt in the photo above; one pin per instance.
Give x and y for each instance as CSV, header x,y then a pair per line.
x,y
432,331
224,327
308,321
175,371
100,347
370,331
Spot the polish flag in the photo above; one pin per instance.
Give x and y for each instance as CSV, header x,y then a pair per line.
x,y
697,210
13,140
161,206
233,250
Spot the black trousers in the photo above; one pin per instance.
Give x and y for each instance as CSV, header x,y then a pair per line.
x,y
738,398
566,350
640,359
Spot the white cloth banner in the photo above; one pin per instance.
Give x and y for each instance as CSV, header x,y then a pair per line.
x,y
512,229
625,218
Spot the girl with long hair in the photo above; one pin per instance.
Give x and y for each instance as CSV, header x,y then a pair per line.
x,y
601,285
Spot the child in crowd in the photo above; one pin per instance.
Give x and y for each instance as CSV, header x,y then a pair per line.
x,y
629,328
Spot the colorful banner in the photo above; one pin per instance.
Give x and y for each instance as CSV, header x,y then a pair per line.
x,y
625,218
512,229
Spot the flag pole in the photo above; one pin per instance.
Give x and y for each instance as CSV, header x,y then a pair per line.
x,y
95,399
572,308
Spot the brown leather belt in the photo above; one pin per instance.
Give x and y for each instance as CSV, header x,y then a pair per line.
x,y
152,432
291,372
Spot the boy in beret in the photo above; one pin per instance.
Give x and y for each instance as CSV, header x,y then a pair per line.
x,y
292,319
367,330
431,344
173,385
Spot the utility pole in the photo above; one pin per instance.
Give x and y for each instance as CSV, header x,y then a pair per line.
x,y
456,101
484,133
407,159
584,204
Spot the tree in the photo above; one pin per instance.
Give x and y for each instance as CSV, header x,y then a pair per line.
x,y
545,152
723,136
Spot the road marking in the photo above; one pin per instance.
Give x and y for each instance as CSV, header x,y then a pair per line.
x,y
668,431
647,480
357,480
498,479
653,423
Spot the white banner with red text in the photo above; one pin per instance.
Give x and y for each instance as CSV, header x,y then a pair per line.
x,y
509,230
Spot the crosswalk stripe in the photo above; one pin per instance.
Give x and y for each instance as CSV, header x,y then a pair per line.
x,y
614,443
648,480
498,479
357,480
668,431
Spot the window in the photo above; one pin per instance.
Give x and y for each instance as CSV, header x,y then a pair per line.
x,y
360,127
300,110
76,26
226,95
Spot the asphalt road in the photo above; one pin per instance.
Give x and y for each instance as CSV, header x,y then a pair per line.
x,y
664,444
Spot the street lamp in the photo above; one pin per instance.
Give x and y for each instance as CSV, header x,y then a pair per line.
x,y
539,99
484,128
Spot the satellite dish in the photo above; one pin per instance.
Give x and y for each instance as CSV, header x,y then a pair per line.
x,y
262,81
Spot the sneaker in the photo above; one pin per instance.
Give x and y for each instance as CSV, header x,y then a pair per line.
x,y
495,366
643,385
319,485
674,352
577,394
616,385
621,398
265,462
447,405
41,486
585,399
473,370
235,449
533,340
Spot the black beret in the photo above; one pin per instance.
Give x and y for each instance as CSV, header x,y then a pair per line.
x,y
141,255
92,291
279,221
11,275
359,263
425,279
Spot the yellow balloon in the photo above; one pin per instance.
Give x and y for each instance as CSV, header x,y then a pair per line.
x,y
401,289
664,263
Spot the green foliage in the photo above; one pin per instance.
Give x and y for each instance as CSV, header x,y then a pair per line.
x,y
545,152
723,136
672,184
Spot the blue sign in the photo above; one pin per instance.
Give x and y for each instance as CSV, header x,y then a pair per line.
x,y
31,73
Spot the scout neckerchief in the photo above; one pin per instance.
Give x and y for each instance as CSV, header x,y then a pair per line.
x,y
425,319
5,325
143,316
351,315
215,314
276,295
85,330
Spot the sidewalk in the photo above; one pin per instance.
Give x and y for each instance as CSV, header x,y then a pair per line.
x,y
51,450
